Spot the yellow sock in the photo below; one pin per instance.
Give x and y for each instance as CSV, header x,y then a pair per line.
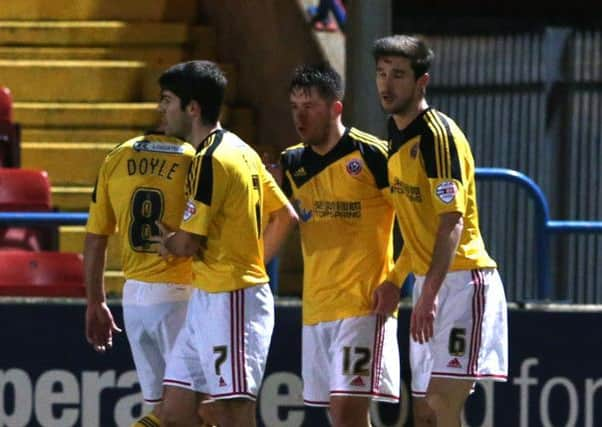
x,y
149,420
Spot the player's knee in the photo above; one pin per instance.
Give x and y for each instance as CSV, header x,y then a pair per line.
x,y
170,418
438,402
424,416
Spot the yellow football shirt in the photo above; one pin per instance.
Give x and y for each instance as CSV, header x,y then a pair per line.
x,y
228,188
346,224
431,172
142,181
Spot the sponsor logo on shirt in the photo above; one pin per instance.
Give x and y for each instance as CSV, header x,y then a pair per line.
x,y
410,191
337,209
446,191
189,210
354,167
304,214
158,147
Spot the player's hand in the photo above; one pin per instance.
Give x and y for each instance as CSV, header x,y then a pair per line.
x,y
100,326
423,318
385,299
164,234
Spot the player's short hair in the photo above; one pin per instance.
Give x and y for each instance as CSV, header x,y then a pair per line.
x,y
201,81
323,77
413,48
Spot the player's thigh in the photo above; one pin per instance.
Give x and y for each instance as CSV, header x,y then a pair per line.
x,y
448,393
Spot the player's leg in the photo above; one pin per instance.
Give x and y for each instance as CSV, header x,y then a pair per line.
x,y
421,364
447,397
350,411
146,306
365,367
424,416
235,349
185,385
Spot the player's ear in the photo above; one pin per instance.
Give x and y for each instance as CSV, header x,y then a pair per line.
x,y
336,108
194,108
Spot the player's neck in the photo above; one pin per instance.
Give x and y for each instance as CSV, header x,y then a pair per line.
x,y
334,135
404,118
200,132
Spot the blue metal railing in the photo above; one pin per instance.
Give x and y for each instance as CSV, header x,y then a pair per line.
x,y
544,225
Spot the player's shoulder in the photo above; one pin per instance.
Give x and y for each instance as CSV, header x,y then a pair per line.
x,y
440,128
368,142
153,143
292,155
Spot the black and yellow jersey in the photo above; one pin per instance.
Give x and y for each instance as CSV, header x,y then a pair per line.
x,y
140,182
346,223
228,188
431,172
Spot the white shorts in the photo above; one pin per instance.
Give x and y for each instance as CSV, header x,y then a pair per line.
x,y
223,347
470,333
153,314
358,356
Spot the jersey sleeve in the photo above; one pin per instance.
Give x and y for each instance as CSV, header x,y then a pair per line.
x,y
101,216
375,156
443,166
273,196
208,182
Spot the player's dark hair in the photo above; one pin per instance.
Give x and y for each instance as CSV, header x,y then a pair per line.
x,y
413,48
201,81
323,77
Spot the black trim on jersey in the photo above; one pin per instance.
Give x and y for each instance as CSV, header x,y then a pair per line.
x,y
204,183
376,162
427,149
286,183
303,163
456,168
398,137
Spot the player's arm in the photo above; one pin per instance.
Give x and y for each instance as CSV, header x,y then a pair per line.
x,y
387,294
101,222
179,243
281,216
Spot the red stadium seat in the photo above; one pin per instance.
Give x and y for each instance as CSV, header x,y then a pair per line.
x,y
24,190
44,274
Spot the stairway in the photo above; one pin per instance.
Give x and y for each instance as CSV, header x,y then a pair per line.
x,y
84,78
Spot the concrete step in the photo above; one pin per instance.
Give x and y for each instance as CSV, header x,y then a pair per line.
x,y
106,122
88,81
77,135
66,163
71,239
91,33
72,198
163,56
130,10
86,116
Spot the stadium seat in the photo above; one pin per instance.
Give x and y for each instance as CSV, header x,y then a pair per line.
x,y
44,274
24,190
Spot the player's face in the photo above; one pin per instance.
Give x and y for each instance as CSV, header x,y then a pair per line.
x,y
397,87
312,115
174,120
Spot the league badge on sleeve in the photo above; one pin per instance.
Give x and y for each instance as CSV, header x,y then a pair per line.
x,y
189,210
446,191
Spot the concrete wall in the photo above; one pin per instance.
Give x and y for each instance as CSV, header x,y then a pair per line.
x,y
265,39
